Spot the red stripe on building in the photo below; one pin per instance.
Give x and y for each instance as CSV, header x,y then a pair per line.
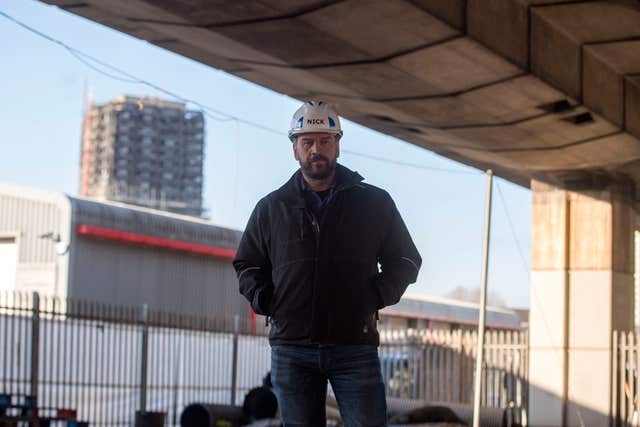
x,y
153,242
252,317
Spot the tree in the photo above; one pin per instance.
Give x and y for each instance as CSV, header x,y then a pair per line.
x,y
473,295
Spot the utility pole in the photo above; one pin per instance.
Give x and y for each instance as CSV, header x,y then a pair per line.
x,y
477,392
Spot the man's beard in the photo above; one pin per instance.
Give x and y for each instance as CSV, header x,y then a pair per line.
x,y
315,170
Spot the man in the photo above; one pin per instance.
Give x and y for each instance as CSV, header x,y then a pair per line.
x,y
319,257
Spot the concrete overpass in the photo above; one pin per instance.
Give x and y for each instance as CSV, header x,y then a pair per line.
x,y
545,92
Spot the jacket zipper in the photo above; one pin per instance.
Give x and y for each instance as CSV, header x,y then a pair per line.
x,y
316,229
316,232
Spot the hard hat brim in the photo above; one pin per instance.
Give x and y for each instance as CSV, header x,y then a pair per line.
x,y
295,132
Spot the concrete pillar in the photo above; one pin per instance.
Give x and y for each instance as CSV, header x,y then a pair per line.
x,y
581,292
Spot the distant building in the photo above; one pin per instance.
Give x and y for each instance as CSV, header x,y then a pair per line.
x,y
438,313
110,252
144,151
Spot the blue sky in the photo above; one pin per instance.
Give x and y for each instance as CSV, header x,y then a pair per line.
x,y
42,87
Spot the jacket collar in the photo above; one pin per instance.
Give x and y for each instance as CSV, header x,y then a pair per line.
x,y
291,193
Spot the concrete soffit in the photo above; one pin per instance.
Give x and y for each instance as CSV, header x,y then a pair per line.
x,y
544,89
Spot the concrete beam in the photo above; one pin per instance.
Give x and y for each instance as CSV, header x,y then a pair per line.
x,y
612,152
294,42
303,80
216,12
551,130
456,65
632,104
559,32
605,68
511,100
453,12
368,24
377,81
448,67
217,46
503,26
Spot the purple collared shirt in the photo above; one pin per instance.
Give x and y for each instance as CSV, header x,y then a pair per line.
x,y
314,201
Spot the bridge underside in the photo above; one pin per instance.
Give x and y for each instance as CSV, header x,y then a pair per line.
x,y
543,89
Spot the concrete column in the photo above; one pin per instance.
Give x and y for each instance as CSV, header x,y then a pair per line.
x,y
581,292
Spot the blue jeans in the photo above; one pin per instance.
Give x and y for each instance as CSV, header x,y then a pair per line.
x,y
300,374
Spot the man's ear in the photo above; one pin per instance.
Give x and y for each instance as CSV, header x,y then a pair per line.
x,y
338,146
295,152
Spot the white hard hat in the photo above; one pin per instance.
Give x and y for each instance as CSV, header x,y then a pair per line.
x,y
315,116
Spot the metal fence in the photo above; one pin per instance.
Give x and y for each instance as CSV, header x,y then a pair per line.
x,y
107,361
626,381
439,366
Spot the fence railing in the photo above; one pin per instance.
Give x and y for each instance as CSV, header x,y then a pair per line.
x,y
439,366
90,357
107,362
626,381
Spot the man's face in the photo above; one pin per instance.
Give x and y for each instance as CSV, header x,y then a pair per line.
x,y
317,154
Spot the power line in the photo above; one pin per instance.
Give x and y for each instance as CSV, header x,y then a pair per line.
x,y
408,164
536,298
512,228
213,113
93,67
129,78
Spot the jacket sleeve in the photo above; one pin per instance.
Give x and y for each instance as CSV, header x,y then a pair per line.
x,y
399,261
252,263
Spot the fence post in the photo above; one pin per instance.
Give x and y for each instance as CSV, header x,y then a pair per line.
x,y
636,340
460,365
35,347
234,360
144,352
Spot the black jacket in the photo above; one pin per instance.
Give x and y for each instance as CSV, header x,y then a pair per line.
x,y
322,280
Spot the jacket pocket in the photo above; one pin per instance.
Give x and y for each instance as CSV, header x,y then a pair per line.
x,y
292,287
353,292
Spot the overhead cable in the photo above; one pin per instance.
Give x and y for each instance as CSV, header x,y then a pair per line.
x,y
213,113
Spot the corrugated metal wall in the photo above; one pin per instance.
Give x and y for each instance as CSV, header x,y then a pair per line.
x,y
123,273
118,273
27,214
29,219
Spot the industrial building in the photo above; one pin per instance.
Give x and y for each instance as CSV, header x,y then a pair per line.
x,y
438,313
114,253
146,152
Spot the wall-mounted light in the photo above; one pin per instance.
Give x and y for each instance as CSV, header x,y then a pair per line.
x,y
60,246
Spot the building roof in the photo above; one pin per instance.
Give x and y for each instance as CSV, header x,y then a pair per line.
x,y
134,220
147,100
452,311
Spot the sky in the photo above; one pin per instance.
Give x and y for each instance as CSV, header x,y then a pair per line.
x,y
442,202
